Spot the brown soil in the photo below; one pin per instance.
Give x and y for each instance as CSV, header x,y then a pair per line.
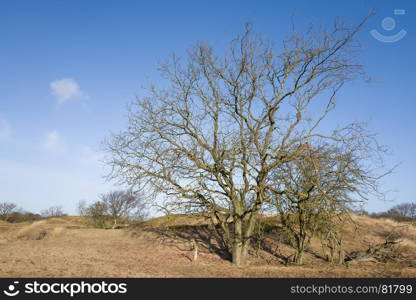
x,y
66,247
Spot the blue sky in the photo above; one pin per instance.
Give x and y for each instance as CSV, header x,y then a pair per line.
x,y
68,69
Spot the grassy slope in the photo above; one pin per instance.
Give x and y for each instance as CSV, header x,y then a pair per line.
x,y
66,247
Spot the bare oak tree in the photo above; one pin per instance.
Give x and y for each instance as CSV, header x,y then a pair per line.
x,y
210,138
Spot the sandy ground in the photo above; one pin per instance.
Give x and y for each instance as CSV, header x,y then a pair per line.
x,y
60,248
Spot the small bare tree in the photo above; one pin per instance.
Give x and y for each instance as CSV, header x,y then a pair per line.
x,y
210,140
82,207
124,204
97,214
318,190
6,208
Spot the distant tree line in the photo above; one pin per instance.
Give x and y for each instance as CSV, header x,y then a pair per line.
x,y
9,212
53,212
400,212
114,208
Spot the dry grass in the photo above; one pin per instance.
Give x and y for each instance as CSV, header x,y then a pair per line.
x,y
66,247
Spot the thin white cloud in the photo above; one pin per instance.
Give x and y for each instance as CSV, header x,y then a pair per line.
x,y
5,130
54,142
65,89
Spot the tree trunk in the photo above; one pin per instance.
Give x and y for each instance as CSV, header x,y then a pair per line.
x,y
297,259
239,251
